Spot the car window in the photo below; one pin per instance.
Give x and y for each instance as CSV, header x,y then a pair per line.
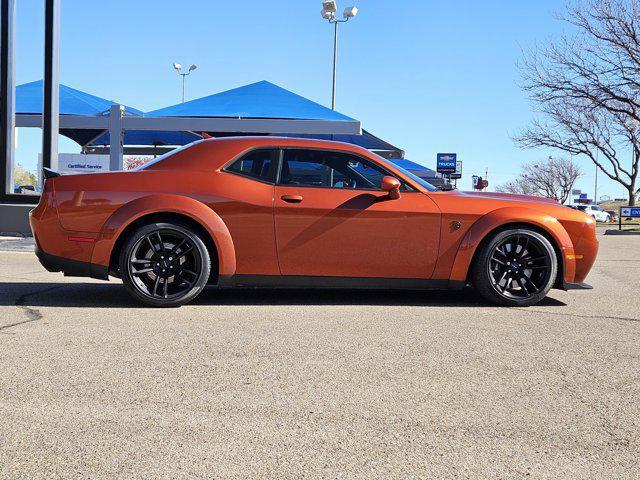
x,y
329,169
258,164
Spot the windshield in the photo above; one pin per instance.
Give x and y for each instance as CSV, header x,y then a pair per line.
x,y
408,174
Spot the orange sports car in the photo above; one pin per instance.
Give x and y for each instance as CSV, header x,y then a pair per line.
x,y
268,211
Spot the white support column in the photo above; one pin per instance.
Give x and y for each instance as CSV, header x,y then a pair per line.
x,y
116,135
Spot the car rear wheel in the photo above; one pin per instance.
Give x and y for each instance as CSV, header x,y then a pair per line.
x,y
517,267
164,264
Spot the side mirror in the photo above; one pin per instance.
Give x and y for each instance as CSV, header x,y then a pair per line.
x,y
391,185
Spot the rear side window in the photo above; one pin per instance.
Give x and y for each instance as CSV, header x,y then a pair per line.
x,y
257,164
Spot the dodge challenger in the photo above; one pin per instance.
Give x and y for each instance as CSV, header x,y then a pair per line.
x,y
287,212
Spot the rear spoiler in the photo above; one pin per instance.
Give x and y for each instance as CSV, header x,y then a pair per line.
x,y
48,173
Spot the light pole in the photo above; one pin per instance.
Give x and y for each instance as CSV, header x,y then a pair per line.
x,y
329,13
178,69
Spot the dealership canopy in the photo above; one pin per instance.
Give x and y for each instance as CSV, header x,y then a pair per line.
x,y
265,100
257,100
78,103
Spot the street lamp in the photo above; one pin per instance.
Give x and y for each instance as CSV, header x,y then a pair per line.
x,y
328,12
178,68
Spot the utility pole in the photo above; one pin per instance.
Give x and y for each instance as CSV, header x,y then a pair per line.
x,y
595,190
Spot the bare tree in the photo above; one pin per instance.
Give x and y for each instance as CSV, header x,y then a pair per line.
x,y
553,178
587,88
519,185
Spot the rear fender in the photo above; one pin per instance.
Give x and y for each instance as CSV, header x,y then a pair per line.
x,y
167,203
512,215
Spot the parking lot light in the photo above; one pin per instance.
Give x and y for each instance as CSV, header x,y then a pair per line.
x,y
328,12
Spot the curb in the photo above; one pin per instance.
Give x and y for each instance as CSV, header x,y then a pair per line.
x,y
15,234
622,232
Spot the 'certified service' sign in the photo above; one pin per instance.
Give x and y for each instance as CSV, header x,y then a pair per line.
x,y
630,212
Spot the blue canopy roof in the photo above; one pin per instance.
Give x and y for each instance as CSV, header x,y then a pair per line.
x,y
72,102
257,100
150,137
415,168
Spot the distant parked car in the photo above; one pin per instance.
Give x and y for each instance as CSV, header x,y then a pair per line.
x,y
596,212
613,215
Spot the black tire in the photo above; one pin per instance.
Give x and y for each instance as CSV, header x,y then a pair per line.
x,y
516,267
164,264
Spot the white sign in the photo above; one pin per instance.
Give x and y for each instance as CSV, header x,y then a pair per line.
x,y
72,163
458,172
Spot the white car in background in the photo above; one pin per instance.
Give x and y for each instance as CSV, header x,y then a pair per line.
x,y
596,212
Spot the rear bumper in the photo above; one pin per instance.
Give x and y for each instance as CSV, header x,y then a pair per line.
x,y
71,268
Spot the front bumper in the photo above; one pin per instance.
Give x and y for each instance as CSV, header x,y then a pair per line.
x,y
576,286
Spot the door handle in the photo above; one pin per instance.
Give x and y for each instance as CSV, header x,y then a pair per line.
x,y
292,198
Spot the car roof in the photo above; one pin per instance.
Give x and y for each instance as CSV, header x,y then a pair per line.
x,y
217,152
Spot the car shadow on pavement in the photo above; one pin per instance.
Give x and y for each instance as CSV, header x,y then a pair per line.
x,y
113,295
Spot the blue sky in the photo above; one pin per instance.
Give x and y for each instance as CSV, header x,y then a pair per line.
x,y
428,76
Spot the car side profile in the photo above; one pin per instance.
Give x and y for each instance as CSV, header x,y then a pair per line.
x,y
269,211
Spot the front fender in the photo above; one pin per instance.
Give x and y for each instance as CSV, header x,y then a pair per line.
x,y
510,215
167,203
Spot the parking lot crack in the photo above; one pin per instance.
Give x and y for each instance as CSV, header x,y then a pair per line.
x,y
577,315
32,314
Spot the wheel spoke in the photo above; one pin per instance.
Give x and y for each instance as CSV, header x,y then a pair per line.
x,y
166,286
155,287
184,280
523,284
153,247
161,242
500,262
144,270
507,286
174,250
535,287
188,271
504,274
526,244
182,254
140,261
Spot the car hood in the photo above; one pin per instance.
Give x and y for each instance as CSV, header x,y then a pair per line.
x,y
510,197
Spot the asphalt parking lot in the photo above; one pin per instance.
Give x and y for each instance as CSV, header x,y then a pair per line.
x,y
332,384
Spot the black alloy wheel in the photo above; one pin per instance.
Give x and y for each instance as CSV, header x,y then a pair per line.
x,y
164,264
516,268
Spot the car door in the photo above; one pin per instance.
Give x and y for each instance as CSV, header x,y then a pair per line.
x,y
333,219
244,200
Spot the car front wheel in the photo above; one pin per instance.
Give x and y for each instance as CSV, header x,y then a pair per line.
x,y
517,267
164,264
